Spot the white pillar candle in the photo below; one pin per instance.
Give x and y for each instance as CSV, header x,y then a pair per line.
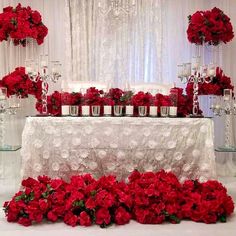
x,y
85,111
129,110
173,111
153,111
65,110
107,110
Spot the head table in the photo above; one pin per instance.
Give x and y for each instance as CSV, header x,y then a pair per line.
x,y
65,146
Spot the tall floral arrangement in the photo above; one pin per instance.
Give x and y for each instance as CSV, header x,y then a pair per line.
x,y
20,23
211,27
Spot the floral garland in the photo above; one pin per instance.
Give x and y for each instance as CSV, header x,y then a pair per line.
x,y
148,198
211,27
216,87
21,23
19,83
115,96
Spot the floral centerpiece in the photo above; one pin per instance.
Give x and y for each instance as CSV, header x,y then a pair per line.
x,y
216,87
93,97
115,94
141,99
19,83
149,198
211,27
21,23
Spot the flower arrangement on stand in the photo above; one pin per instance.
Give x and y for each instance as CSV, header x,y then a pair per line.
x,y
211,27
21,23
149,198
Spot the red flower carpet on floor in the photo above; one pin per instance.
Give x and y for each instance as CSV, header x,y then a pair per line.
x,y
148,198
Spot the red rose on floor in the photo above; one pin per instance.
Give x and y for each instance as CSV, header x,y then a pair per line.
x,y
122,216
71,219
84,219
24,221
103,216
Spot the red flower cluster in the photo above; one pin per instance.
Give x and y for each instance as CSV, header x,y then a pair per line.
x,y
141,99
53,104
216,87
20,23
149,198
156,197
115,94
211,27
93,97
206,202
83,201
18,82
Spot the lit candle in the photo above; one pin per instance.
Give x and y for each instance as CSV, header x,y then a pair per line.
x,y
129,110
85,111
107,110
153,111
65,110
173,111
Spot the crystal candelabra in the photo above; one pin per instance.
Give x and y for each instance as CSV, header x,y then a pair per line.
x,y
117,7
226,107
43,72
196,73
8,106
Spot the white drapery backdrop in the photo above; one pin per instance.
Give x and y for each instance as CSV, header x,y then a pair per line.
x,y
165,39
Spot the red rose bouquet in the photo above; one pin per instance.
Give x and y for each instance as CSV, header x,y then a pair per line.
x,y
141,99
212,27
20,23
216,87
19,83
93,97
115,94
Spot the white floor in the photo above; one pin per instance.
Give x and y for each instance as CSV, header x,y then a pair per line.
x,y
132,229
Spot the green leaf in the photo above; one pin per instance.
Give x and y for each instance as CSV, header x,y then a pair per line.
x,y
223,218
93,193
176,219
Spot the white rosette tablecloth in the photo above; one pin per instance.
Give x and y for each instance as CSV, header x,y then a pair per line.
x,y
65,146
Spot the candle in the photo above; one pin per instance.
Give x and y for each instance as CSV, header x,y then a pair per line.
x,y
28,70
65,110
107,110
153,111
129,110
217,106
173,111
85,111
43,63
2,97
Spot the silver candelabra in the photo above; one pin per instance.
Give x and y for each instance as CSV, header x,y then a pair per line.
x,y
41,71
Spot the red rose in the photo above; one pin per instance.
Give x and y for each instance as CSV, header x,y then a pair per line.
x,y
71,219
51,216
36,17
122,216
90,203
102,216
84,219
24,221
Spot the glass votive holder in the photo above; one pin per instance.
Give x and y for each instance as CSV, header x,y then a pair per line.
x,y
96,110
3,93
107,110
172,111
153,111
117,109
164,111
65,110
74,110
142,111
85,110
129,110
